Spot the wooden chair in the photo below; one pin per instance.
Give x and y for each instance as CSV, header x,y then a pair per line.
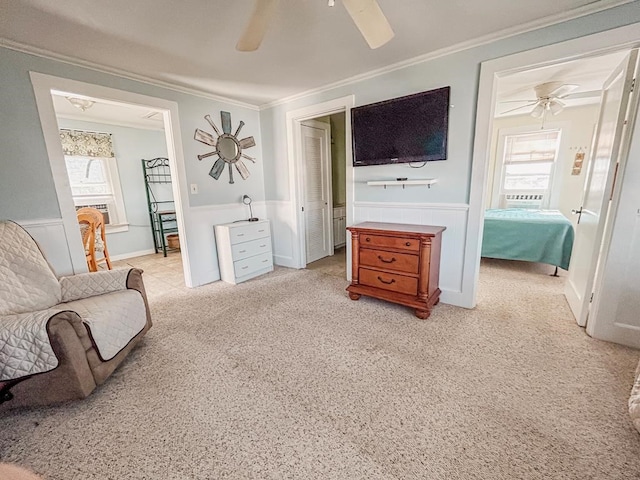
x,y
94,237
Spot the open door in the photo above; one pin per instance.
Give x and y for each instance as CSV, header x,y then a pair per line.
x,y
609,137
317,190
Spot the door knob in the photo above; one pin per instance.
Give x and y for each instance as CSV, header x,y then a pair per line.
x,y
578,212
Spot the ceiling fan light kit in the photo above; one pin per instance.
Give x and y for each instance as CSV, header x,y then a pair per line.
x,y
366,14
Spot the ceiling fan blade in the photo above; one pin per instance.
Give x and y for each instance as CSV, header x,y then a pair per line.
x,y
518,108
589,94
370,20
562,90
528,100
254,32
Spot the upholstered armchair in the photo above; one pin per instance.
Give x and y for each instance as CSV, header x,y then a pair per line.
x,y
60,338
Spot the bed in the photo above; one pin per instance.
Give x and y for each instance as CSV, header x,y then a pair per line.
x,y
544,236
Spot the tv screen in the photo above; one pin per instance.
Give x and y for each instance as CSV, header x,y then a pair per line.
x,y
401,130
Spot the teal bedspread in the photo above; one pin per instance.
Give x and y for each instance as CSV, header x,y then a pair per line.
x,y
544,236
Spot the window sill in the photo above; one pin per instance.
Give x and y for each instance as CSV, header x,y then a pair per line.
x,y
119,228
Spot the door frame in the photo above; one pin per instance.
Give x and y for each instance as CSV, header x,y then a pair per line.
x,y
326,128
294,119
592,45
43,85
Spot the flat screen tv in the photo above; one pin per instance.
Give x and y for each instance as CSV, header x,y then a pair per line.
x,y
401,130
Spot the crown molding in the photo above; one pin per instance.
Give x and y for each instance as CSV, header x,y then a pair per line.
x,y
41,52
591,8
459,47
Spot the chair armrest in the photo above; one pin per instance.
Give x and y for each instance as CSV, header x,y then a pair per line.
x,y
86,285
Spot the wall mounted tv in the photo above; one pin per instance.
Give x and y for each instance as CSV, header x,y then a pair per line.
x,y
401,130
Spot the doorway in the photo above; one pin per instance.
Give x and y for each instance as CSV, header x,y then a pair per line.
x,y
548,57
44,86
341,176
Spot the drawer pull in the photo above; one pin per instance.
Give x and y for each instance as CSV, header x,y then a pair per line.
x,y
242,251
262,246
367,239
408,244
245,267
393,259
261,230
393,280
240,235
265,261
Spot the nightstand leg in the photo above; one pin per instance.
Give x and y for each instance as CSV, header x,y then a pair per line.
x,y
354,296
422,314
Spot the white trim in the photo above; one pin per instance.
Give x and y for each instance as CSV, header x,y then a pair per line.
x,y
139,253
459,47
43,85
40,222
588,46
44,53
294,119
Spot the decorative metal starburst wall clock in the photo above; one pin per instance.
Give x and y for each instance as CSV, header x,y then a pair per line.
x,y
227,147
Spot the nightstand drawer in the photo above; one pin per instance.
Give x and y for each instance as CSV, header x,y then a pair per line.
x,y
250,265
246,233
388,281
401,262
249,249
411,244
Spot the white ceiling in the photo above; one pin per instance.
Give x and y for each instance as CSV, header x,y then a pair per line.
x,y
109,113
191,44
588,73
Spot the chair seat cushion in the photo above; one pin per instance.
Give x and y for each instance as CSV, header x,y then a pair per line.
x,y
112,319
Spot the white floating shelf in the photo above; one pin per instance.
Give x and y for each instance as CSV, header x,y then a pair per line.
x,y
426,181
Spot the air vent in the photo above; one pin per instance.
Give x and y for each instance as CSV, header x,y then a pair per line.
x,y
520,196
102,207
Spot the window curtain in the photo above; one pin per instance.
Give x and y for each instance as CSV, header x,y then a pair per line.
x,y
86,144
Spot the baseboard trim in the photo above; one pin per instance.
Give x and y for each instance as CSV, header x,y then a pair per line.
x,y
283,261
124,256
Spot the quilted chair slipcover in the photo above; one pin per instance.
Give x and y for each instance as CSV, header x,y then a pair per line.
x,y
60,338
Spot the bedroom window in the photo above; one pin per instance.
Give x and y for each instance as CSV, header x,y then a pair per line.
x,y
93,175
527,168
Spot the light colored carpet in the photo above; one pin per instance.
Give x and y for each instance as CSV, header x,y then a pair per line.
x,y
284,377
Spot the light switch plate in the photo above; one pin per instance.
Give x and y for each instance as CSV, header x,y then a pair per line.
x,y
194,188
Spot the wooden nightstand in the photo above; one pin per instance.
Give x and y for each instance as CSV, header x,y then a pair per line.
x,y
398,263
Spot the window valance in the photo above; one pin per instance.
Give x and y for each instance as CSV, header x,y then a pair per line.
x,y
86,144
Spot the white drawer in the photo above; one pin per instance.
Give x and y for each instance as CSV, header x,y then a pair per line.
x,y
250,265
249,249
246,233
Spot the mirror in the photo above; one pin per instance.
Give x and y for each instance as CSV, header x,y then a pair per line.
x,y
228,148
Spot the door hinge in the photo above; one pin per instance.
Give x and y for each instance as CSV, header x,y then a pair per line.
x,y
303,209
633,85
591,299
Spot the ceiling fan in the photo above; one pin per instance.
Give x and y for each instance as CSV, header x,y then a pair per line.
x,y
549,98
366,14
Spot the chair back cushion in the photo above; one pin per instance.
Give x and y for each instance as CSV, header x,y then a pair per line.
x,y
27,283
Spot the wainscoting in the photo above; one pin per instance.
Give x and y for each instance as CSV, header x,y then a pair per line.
x,y
50,235
453,216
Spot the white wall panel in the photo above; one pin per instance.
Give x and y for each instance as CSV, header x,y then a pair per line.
x,y
52,240
282,220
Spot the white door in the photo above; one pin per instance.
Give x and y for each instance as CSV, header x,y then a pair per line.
x,y
317,190
607,142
